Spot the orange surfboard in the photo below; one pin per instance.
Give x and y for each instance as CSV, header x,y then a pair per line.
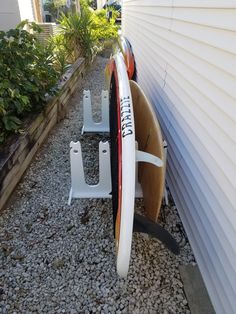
x,y
128,55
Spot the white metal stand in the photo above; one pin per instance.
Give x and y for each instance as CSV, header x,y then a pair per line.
x,y
138,187
79,187
165,194
146,157
89,125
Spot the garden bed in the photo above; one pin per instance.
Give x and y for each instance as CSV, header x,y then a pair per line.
x,y
18,153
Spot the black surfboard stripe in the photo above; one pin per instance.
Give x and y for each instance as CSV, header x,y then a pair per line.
x,y
114,146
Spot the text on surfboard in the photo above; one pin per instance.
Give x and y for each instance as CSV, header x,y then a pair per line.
x,y
126,120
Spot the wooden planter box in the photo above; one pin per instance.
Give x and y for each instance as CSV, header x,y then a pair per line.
x,y
15,161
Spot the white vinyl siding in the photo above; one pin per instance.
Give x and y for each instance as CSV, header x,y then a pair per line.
x,y
185,52
12,12
9,14
26,10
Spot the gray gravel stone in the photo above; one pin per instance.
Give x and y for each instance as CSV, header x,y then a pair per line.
x,y
56,258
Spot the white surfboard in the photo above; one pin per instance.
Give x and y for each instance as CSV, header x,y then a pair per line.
x,y
122,160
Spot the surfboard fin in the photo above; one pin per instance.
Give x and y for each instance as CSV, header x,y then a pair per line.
x,y
145,225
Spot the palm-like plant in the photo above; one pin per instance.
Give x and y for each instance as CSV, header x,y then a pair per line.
x,y
57,45
83,34
76,29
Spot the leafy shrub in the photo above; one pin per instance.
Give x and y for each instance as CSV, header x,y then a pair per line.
x,y
26,76
29,70
76,29
84,33
55,7
101,28
57,44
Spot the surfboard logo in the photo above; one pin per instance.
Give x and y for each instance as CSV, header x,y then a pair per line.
x,y
126,120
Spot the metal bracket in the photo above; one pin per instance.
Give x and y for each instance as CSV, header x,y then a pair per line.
x,y
79,188
165,194
146,157
89,125
138,187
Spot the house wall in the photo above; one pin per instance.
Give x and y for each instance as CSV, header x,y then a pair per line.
x,y
12,12
9,14
185,52
26,10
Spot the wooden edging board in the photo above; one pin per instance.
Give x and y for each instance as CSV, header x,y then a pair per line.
x,y
20,153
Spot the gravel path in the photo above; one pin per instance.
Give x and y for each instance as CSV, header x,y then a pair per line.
x,y
60,259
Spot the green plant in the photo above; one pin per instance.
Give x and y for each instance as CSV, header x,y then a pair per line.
x,y
76,29
57,45
102,29
84,33
55,7
26,76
